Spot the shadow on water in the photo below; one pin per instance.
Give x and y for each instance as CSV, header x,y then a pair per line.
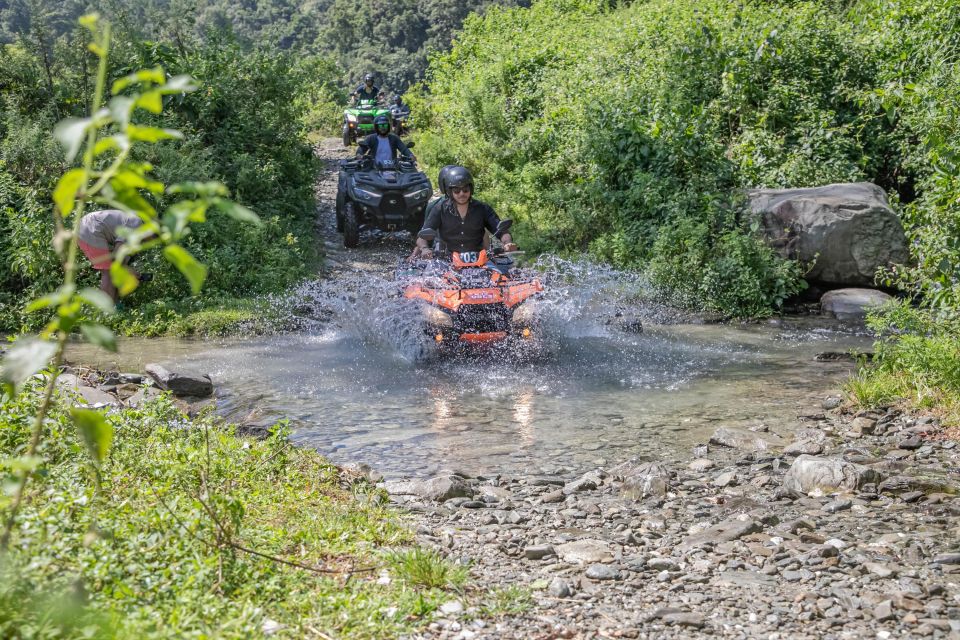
x,y
360,389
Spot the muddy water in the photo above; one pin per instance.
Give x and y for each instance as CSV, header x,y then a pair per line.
x,y
597,398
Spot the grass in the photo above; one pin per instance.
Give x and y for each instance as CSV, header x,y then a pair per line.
x,y
198,533
422,568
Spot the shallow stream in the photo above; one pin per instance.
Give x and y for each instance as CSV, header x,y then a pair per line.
x,y
597,397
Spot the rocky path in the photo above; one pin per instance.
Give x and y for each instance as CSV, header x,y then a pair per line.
x,y
852,531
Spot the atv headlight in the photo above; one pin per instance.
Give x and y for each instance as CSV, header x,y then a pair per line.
x,y
526,314
363,194
422,194
351,117
436,317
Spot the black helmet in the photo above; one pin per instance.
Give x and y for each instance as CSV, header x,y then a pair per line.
x,y
368,79
442,177
381,124
457,176
397,100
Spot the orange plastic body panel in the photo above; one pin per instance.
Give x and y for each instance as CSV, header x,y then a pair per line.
x,y
458,263
491,336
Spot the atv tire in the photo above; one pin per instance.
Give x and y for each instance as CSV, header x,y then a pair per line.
x,y
351,226
347,138
338,212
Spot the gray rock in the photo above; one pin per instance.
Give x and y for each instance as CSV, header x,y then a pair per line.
x,y
831,402
947,558
144,394
840,504
927,484
580,484
538,551
846,231
880,569
662,564
553,497
694,620
883,611
587,551
181,383
702,464
745,579
643,480
801,447
745,440
602,572
726,531
852,305
439,489
810,472
559,588
93,397
727,479
863,425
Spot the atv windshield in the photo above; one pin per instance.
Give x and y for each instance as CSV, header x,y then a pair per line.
x,y
367,103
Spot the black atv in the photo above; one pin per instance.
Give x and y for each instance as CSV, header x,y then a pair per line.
x,y
390,197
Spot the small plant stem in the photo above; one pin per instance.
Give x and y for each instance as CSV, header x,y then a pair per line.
x,y
70,270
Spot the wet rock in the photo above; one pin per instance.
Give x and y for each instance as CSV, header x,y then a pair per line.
x,y
181,383
643,480
587,551
810,472
852,305
744,439
602,572
439,489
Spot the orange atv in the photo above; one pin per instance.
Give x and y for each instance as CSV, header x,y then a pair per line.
x,y
472,297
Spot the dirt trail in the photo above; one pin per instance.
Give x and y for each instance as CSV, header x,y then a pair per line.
x,y
378,252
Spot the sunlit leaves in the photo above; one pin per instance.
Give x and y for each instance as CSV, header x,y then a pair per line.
x,y
195,272
123,279
26,357
97,299
96,432
143,76
65,193
99,335
139,133
236,211
71,133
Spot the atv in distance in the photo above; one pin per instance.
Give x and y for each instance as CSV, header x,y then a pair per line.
x,y
358,120
400,114
387,196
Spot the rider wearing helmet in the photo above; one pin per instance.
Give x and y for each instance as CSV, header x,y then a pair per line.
x,y
459,220
366,91
383,146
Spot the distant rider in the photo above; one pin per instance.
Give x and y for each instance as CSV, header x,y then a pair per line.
x,y
383,146
366,91
399,106
459,220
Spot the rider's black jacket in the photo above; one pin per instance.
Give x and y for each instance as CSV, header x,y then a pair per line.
x,y
372,142
462,234
363,94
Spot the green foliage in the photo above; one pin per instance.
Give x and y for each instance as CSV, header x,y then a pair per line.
x,y
421,568
144,559
627,130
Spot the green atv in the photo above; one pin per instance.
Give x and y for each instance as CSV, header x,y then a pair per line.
x,y
358,120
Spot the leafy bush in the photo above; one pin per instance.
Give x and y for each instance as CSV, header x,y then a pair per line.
x,y
143,558
622,129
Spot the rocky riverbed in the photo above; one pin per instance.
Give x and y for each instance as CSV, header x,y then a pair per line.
x,y
850,531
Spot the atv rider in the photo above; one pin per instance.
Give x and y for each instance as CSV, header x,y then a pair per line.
x,y
459,220
383,146
366,91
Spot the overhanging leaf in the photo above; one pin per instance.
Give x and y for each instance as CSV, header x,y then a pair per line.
x,y
65,193
195,272
96,432
58,297
70,133
152,101
123,279
26,357
151,134
148,76
237,211
99,335
98,299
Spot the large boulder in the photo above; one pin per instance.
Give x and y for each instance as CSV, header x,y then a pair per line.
x,y
439,489
847,231
851,305
811,472
181,383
